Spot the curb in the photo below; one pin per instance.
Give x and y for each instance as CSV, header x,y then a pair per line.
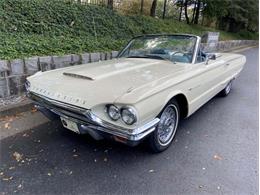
x,y
16,108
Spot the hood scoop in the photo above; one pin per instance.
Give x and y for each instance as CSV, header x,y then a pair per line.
x,y
78,76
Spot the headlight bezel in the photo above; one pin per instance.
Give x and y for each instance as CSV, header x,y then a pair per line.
x,y
132,113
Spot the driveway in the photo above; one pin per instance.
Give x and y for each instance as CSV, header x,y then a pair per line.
x,y
215,152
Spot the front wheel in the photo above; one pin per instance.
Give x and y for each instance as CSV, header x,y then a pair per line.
x,y
165,131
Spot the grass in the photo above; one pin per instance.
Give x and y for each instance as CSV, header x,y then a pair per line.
x,y
56,27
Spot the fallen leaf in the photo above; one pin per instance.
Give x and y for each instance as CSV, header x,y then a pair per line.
x,y
25,135
5,179
105,159
70,172
151,171
11,168
49,174
218,187
7,125
20,186
200,186
75,155
203,168
2,173
217,157
17,156
95,160
33,110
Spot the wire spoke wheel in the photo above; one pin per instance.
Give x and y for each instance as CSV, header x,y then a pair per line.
x,y
166,129
167,125
228,87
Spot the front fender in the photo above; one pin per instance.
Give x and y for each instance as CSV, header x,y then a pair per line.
x,y
151,107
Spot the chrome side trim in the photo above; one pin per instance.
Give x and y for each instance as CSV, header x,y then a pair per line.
x,y
85,117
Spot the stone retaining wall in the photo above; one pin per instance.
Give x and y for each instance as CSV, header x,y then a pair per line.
x,y
228,45
13,73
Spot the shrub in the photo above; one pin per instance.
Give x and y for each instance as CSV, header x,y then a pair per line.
x,y
53,27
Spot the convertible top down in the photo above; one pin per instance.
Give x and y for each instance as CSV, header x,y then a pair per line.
x,y
142,94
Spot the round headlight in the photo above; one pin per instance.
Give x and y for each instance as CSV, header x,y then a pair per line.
x,y
128,115
113,112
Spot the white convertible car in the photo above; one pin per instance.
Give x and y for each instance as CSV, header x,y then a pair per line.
x,y
142,94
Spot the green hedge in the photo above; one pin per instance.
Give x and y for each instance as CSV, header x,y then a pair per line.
x,y
55,27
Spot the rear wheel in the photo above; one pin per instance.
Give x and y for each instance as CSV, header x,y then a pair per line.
x,y
165,131
226,90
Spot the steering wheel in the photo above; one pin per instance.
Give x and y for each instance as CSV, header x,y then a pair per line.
x,y
183,54
180,58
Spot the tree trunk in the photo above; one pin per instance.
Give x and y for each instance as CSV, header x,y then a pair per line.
x,y
186,11
181,10
196,20
194,10
110,4
164,8
142,7
202,21
153,8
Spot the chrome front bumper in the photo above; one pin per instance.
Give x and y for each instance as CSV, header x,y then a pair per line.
x,y
88,122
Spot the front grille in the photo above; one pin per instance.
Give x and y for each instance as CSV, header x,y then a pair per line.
x,y
61,108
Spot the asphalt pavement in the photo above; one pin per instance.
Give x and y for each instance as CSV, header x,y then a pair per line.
x,y
215,151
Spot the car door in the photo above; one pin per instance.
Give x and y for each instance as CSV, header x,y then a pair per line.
x,y
205,81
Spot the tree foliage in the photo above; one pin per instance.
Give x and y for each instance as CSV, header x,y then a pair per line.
x,y
55,27
233,15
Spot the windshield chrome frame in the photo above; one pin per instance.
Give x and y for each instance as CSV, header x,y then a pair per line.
x,y
195,51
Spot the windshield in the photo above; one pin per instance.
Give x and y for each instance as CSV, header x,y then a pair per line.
x,y
176,48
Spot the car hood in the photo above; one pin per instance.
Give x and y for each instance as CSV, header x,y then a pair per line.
x,y
102,82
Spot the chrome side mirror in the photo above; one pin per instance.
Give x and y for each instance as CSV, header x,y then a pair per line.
x,y
210,56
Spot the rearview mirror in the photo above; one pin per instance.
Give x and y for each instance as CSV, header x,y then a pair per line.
x,y
210,56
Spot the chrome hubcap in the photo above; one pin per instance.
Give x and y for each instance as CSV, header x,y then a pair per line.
x,y
168,124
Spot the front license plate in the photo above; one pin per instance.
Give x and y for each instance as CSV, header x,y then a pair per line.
x,y
69,125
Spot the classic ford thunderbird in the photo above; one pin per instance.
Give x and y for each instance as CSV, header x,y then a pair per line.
x,y
155,81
